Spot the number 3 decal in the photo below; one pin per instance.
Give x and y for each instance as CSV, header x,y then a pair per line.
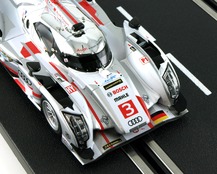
x,y
128,109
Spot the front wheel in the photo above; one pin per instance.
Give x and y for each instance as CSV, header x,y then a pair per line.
x,y
51,116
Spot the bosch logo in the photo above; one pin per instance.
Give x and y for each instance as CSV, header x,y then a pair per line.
x,y
120,89
135,121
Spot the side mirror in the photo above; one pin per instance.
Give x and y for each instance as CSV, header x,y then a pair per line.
x,y
134,23
78,26
33,67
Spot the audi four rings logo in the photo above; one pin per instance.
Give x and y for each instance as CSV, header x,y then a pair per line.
x,y
135,121
22,75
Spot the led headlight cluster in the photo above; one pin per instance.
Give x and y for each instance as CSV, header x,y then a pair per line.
x,y
79,127
172,82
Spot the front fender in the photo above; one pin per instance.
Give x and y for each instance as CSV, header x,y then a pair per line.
x,y
153,67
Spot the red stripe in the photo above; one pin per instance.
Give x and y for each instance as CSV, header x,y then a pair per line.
x,y
62,75
20,84
146,110
91,109
159,116
144,106
9,68
64,10
25,52
36,95
91,11
33,48
105,138
150,125
95,114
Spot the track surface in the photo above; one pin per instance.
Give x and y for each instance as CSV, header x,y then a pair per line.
x,y
181,28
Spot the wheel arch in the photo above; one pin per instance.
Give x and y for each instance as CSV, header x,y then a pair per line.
x,y
65,128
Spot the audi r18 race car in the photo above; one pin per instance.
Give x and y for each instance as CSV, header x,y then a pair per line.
x,y
98,85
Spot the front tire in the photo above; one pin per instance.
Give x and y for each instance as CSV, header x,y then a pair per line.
x,y
51,116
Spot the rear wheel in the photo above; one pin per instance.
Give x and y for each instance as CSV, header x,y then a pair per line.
x,y
51,116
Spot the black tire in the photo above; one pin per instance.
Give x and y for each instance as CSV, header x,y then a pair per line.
x,y
51,116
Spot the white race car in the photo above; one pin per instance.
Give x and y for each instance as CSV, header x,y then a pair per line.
x,y
98,85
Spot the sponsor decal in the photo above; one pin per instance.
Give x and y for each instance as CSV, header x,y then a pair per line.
x,y
121,97
112,144
116,91
133,48
109,94
128,109
25,79
144,60
135,131
110,78
71,89
111,85
138,128
135,121
81,50
105,120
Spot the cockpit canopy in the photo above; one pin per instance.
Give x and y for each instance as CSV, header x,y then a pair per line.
x,y
84,49
88,50
90,62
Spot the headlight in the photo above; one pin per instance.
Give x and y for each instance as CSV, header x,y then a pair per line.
x,y
79,128
172,82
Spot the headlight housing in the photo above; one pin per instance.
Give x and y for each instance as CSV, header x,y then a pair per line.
x,y
79,128
172,82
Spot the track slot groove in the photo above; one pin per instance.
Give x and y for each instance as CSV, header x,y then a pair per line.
x,y
148,157
210,6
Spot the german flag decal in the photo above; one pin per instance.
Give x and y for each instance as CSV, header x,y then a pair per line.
x,y
158,117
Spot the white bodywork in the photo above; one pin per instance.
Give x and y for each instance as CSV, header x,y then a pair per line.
x,y
137,90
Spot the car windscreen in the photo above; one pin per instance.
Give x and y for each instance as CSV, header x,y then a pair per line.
x,y
88,62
